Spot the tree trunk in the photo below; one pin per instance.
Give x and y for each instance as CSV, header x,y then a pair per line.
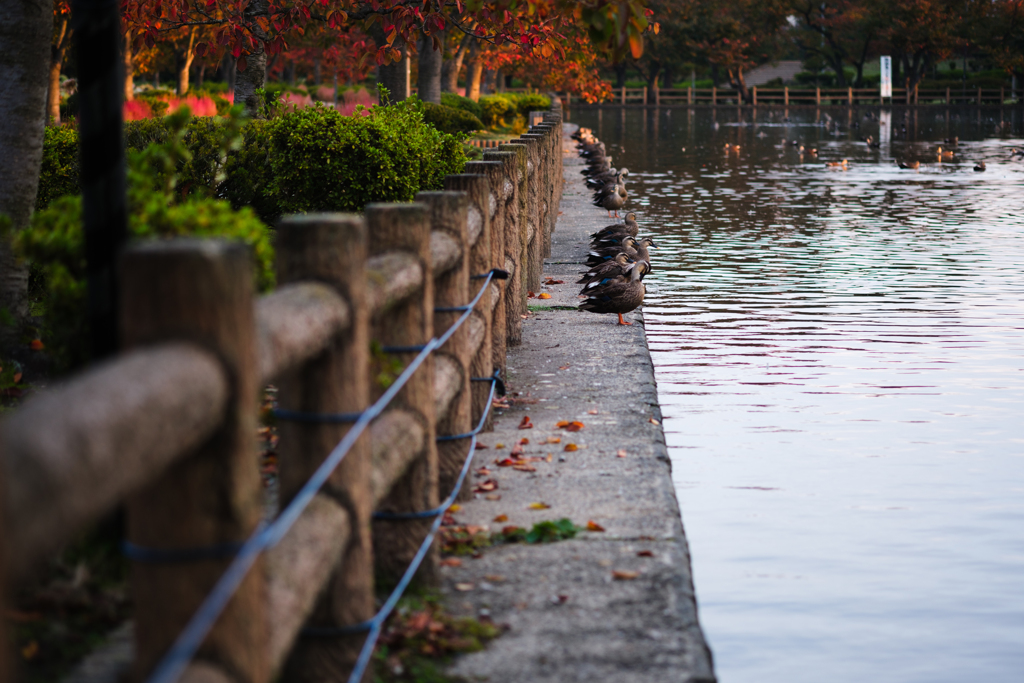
x,y
451,68
185,62
474,72
739,83
652,79
57,51
254,76
487,84
620,75
395,76
430,61
129,70
26,29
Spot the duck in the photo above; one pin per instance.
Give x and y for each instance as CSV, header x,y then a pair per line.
x,y
872,143
629,226
912,165
1016,153
955,140
602,179
638,250
837,164
612,200
601,273
944,154
980,166
618,295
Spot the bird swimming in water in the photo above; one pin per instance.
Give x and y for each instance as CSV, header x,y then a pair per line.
x,y
912,165
980,166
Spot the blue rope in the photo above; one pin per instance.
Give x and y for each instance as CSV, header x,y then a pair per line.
x,y
146,555
177,659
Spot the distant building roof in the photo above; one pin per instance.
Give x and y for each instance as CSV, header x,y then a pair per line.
x,y
786,70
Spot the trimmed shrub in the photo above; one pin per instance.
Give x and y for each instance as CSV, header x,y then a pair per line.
x,y
496,109
55,242
450,99
59,173
527,102
449,119
323,161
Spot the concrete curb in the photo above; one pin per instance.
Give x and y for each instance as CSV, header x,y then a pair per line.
x,y
569,619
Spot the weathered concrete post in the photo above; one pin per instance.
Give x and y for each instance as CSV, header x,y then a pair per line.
x,y
548,208
448,217
513,232
406,228
495,174
534,227
517,243
199,291
331,248
478,231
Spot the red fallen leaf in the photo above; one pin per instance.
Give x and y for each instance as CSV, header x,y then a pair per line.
x,y
482,472
531,295
559,599
561,424
574,426
524,441
480,446
624,575
36,345
511,529
553,281
507,462
645,553
526,424
451,562
516,452
563,367
500,518
594,526
523,467
485,486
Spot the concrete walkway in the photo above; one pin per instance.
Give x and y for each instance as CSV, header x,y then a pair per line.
x,y
613,606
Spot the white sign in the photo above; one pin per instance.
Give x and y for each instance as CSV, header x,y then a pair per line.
x,y
887,77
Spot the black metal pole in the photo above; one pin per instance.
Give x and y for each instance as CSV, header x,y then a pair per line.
x,y
101,145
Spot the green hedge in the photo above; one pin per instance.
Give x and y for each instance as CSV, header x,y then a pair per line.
x,y
311,159
502,109
450,120
450,99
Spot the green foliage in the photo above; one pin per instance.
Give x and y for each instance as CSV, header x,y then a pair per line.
x,y
59,173
450,99
321,160
502,109
449,119
158,206
547,531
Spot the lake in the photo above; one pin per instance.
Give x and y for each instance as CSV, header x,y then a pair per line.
x,y
840,361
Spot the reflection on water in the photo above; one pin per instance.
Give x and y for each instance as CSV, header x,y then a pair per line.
x,y
840,360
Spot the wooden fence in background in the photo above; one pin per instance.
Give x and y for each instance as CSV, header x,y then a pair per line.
x,y
721,97
168,428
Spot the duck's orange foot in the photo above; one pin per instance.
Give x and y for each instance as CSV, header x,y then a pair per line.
x,y
623,322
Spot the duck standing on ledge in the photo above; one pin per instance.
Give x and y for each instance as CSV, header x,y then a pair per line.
x,y
619,295
629,226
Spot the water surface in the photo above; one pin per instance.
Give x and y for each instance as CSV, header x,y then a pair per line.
x,y
840,361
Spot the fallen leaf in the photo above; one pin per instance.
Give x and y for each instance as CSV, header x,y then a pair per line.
x,y
517,451
481,446
501,518
559,599
526,424
562,423
538,506
571,447
499,445
653,421
455,508
510,529
621,453
451,562
553,281
523,467
36,345
574,426
594,526
592,412
624,575
505,462
463,586
554,439
482,472
548,459
645,553
531,295
30,651
543,295
524,316
494,578
17,377
493,496
485,486
563,367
